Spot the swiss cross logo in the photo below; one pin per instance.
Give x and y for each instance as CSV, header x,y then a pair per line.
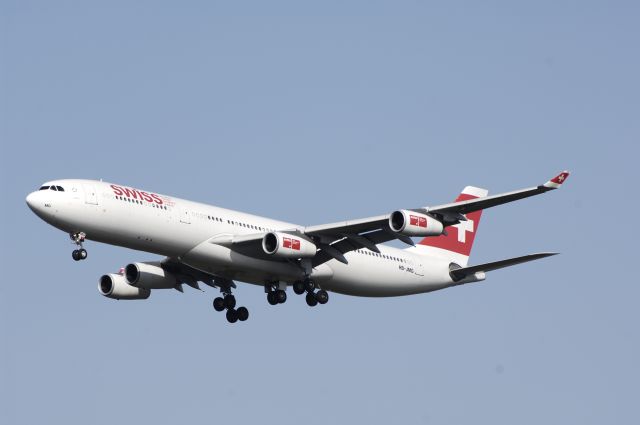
x,y
464,227
560,178
415,220
291,243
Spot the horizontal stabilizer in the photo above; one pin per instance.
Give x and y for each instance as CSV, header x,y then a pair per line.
x,y
461,273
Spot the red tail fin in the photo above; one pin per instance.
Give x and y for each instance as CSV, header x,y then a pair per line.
x,y
459,238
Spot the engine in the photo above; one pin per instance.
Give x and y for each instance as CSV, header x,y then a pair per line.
x,y
411,223
115,286
284,245
149,276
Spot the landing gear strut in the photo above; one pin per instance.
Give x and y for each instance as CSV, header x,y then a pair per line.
x,y
228,302
78,239
313,298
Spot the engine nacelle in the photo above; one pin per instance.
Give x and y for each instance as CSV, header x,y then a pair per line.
x,y
115,286
411,223
149,276
284,245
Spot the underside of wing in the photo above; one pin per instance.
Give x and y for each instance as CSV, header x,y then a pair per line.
x,y
190,276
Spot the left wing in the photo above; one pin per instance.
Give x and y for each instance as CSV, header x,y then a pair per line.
x,y
190,276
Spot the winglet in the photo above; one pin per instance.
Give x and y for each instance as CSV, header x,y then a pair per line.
x,y
557,181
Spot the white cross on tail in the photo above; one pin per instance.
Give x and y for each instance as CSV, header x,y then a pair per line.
x,y
464,227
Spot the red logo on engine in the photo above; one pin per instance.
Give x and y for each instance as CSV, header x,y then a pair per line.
x,y
291,243
415,220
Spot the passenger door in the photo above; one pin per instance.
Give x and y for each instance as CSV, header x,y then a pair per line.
x,y
184,215
90,195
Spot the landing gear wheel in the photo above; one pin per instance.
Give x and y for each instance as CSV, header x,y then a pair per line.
x,y
229,302
322,296
243,313
311,299
271,298
218,304
281,296
80,253
309,286
298,287
232,316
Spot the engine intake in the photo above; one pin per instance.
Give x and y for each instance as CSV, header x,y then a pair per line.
x,y
116,287
284,245
149,276
411,223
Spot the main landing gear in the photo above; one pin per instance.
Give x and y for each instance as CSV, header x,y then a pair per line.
x,y
78,239
275,295
228,302
313,298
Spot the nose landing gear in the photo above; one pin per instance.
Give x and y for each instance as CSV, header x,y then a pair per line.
x,y
78,238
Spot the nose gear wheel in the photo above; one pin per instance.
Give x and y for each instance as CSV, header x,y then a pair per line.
x,y
78,239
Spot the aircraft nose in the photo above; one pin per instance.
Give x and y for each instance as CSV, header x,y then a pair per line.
x,y
36,203
31,200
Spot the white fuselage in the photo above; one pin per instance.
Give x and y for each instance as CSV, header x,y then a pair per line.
x,y
187,231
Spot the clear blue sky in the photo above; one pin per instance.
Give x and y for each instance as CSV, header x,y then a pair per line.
x,y
313,113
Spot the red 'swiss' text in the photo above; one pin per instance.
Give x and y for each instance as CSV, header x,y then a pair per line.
x,y
136,194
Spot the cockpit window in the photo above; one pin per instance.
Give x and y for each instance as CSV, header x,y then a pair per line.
x,y
56,188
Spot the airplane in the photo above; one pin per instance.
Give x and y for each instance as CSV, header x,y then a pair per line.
x,y
217,246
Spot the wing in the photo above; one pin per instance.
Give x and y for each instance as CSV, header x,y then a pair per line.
x,y
190,276
250,244
453,212
336,239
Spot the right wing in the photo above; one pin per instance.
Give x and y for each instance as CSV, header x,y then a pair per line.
x,y
333,240
336,239
454,212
